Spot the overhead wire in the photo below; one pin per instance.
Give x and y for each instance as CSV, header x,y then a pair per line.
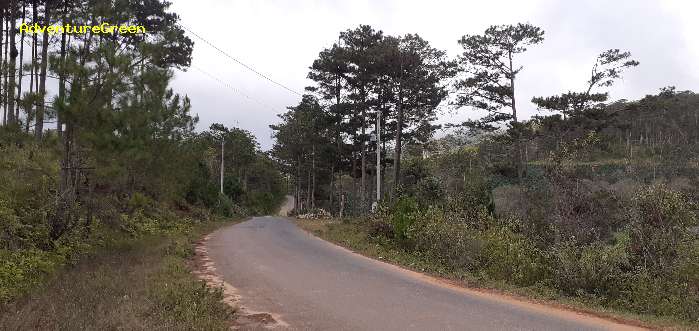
x,y
246,66
236,90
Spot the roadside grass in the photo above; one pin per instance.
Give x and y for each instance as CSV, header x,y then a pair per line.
x,y
355,235
141,283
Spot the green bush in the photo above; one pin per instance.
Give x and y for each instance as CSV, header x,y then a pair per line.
x,y
452,243
597,269
512,257
139,201
477,193
21,270
183,299
225,207
648,294
10,227
403,216
27,196
138,224
233,188
659,223
664,253
429,191
263,203
379,224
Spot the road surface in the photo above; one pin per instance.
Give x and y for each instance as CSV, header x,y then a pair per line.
x,y
310,284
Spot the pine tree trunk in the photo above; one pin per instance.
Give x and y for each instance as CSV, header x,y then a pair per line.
x,y
518,133
362,184
35,45
21,60
12,68
332,187
31,84
298,185
399,141
61,76
383,165
308,189
66,189
354,170
39,126
3,103
33,77
313,180
338,151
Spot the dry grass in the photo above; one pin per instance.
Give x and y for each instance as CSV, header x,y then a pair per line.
x,y
142,284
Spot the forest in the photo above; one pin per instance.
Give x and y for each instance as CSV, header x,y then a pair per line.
x,y
591,200
95,145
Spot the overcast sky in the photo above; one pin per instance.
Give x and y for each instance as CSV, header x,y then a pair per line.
x,y
281,39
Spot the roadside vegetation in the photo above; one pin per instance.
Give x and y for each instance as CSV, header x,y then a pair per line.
x,y
126,283
105,182
590,201
99,210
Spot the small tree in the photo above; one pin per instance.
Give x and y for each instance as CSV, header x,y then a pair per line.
x,y
608,68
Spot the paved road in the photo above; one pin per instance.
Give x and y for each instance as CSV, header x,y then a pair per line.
x,y
311,284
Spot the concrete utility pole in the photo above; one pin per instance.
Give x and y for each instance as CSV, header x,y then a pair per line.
x,y
378,156
222,144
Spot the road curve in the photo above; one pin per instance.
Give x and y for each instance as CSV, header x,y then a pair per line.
x,y
311,284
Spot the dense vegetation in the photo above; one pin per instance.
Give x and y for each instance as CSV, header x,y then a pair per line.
x,y
142,283
122,158
590,199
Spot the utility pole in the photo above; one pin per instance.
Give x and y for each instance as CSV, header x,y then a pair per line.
x,y
378,156
222,144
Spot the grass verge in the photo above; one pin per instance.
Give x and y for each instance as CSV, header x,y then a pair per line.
x,y
355,235
139,283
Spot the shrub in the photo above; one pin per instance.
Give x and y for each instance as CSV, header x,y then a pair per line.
x,y
507,200
379,228
659,223
429,192
403,216
592,270
138,224
650,295
261,203
512,257
139,201
477,217
477,193
453,243
380,223
10,227
226,208
23,269
233,188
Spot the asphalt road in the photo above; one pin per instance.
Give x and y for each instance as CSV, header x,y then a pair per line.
x,y
309,284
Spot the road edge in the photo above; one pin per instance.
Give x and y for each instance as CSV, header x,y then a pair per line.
x,y
549,306
204,268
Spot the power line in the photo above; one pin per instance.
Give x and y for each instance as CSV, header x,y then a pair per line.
x,y
238,91
239,62
233,88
